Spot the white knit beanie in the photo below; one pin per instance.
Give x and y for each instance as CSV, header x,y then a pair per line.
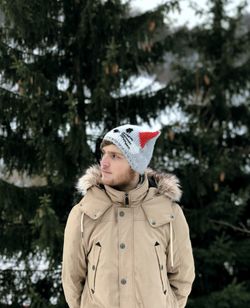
x,y
136,144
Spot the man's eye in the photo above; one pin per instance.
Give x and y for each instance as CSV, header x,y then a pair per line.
x,y
114,156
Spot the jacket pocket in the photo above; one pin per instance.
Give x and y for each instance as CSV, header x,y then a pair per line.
x,y
93,266
162,267
172,300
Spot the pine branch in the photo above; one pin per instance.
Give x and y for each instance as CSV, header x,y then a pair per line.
x,y
30,270
226,224
9,92
24,52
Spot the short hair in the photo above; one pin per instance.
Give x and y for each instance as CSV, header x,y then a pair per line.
x,y
104,143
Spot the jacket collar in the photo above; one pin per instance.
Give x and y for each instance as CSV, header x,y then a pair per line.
x,y
130,199
165,183
163,189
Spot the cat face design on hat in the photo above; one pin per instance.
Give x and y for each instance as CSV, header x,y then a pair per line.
x,y
129,139
136,144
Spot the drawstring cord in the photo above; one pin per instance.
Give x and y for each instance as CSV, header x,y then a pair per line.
x,y
171,245
82,224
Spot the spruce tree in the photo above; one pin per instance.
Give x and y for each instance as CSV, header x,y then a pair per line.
x,y
209,150
62,67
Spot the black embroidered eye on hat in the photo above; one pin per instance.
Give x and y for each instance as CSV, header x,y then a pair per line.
x,y
136,143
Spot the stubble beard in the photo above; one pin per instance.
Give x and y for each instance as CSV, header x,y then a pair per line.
x,y
127,180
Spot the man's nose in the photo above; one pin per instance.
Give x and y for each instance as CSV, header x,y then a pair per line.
x,y
104,161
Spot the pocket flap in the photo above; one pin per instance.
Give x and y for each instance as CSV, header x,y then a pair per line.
x,y
156,220
159,214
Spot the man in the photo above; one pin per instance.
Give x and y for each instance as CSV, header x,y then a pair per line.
x,y
127,242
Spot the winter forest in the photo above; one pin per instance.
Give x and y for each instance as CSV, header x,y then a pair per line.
x,y
71,70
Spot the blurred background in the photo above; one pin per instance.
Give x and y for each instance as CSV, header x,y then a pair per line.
x,y
70,70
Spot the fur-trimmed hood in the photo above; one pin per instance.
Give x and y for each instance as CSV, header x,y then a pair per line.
x,y
167,184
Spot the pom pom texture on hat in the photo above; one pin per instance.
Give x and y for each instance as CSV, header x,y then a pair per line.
x,y
135,143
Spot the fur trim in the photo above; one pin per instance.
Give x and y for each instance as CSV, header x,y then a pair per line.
x,y
167,184
92,177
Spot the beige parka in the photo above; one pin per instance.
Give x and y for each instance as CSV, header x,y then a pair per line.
x,y
127,250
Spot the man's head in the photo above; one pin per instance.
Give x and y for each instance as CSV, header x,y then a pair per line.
x,y
127,151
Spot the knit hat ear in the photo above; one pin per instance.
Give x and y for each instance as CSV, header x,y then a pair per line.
x,y
136,143
146,136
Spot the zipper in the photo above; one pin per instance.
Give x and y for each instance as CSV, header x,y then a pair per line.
x,y
126,199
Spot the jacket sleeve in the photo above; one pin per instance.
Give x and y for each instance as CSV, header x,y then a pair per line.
x,y
180,265
74,260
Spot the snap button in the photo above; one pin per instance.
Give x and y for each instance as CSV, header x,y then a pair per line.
x,y
93,267
123,281
121,213
161,267
153,223
122,245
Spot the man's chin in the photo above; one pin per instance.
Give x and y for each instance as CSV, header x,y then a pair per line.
x,y
106,180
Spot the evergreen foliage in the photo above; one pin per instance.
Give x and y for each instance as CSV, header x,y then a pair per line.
x,y
62,67
210,151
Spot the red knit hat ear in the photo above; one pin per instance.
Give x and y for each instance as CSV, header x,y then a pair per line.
x,y
146,136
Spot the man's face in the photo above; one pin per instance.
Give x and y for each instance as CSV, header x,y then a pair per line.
x,y
115,169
